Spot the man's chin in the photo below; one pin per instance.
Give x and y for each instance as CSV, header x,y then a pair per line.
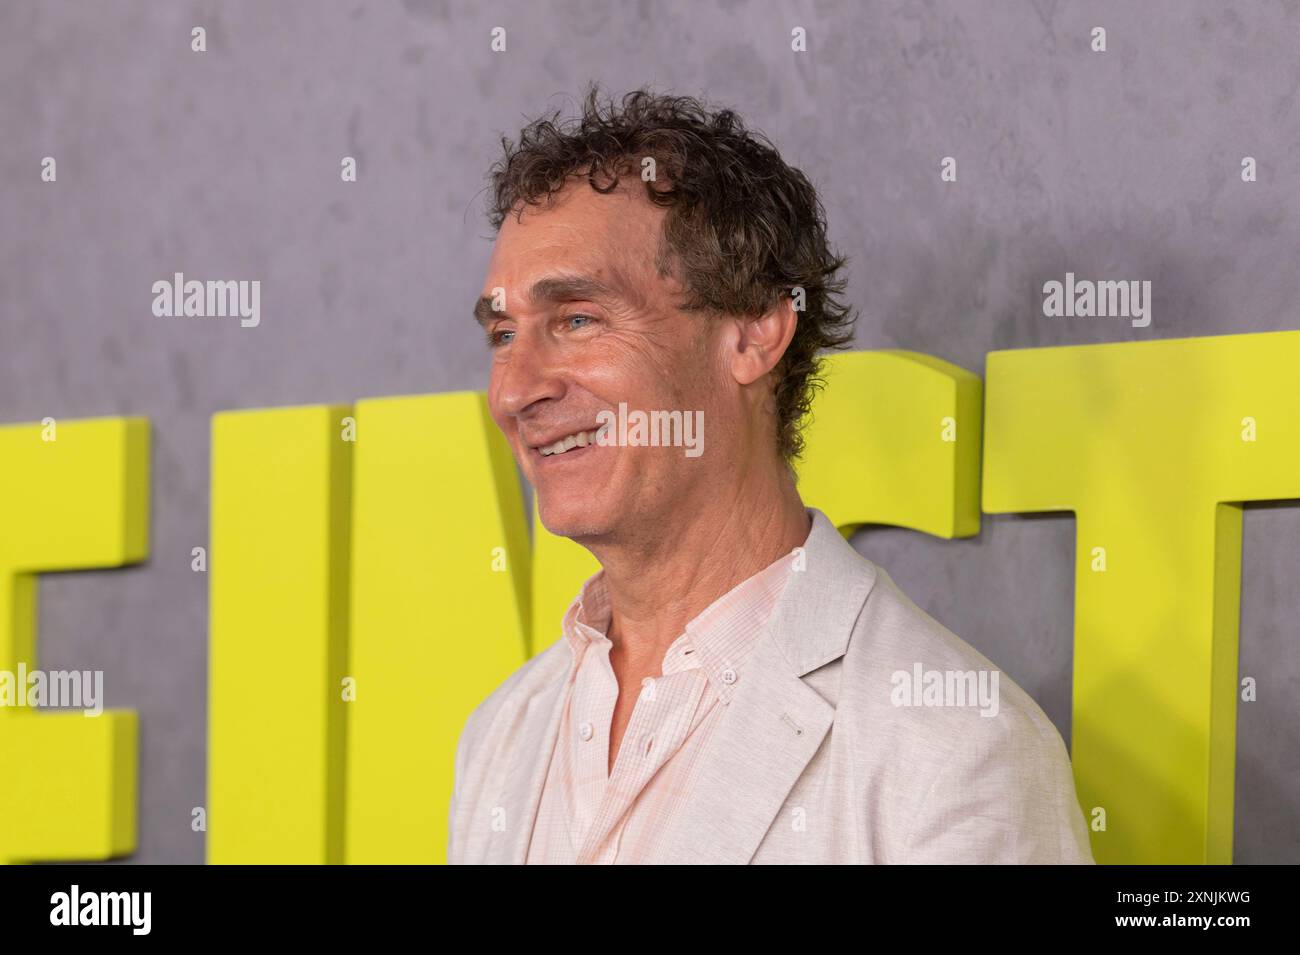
x,y
573,519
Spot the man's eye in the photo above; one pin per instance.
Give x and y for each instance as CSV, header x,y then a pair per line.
x,y
495,339
580,318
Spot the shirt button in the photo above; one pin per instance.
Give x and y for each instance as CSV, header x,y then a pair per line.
x,y
728,676
585,730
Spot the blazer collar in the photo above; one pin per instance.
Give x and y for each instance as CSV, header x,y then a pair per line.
x,y
770,730
775,722
814,619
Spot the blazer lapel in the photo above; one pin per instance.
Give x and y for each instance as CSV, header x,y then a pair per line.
x,y
775,722
771,729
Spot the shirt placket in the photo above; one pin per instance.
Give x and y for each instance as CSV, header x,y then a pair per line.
x,y
660,723
590,740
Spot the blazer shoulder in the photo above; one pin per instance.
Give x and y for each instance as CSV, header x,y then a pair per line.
x,y
894,636
955,737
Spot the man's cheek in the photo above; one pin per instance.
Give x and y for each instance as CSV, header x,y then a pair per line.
x,y
632,361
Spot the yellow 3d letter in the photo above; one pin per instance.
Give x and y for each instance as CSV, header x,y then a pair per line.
x,y
440,566
1153,446
278,635
73,495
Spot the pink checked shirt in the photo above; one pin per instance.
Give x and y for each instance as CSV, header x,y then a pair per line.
x,y
590,815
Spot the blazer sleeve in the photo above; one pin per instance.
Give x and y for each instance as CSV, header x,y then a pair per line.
x,y
454,849
1004,795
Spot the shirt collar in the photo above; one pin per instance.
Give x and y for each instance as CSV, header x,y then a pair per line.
x,y
588,616
715,641
722,635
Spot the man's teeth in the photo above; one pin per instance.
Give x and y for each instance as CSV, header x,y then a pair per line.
x,y
579,440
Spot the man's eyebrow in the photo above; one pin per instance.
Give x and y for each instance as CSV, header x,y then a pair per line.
x,y
553,290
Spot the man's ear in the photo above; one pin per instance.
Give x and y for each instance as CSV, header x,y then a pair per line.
x,y
761,341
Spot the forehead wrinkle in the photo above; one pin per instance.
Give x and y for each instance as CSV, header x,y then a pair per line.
x,y
614,279
568,288
617,287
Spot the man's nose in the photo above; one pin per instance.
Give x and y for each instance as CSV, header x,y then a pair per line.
x,y
531,374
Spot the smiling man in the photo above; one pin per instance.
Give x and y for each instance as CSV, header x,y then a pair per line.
x,y
726,688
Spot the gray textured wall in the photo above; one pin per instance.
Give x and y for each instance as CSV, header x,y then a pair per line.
x,y
226,164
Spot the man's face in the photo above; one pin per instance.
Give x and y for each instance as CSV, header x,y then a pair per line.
x,y
588,323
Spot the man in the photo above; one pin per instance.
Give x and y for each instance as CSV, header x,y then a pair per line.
x,y
725,689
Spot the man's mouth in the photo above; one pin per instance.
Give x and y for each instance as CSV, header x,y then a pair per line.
x,y
579,439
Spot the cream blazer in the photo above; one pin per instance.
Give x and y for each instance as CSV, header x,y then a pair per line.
x,y
823,754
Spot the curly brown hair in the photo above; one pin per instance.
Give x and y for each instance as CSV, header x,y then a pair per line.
x,y
746,229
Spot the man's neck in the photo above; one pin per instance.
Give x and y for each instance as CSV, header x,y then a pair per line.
x,y
658,584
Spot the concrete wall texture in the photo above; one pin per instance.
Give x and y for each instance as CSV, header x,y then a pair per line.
x,y
225,164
